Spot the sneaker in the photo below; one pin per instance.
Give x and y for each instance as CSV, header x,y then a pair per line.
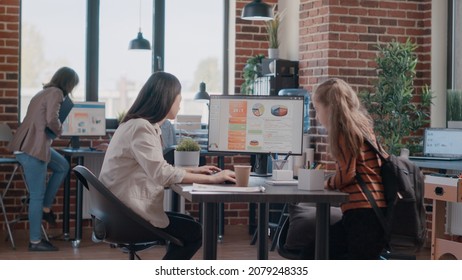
x,y
42,246
50,217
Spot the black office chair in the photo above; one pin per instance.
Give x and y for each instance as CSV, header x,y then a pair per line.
x,y
296,254
117,224
274,227
281,241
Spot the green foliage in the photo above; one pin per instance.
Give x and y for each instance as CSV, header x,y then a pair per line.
x,y
251,72
272,28
188,145
396,115
454,105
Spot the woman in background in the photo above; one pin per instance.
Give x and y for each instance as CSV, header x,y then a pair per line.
x,y
32,147
359,234
135,170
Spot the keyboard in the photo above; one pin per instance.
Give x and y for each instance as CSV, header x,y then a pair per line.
x,y
434,158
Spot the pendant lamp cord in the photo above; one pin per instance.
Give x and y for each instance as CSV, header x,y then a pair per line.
x,y
139,16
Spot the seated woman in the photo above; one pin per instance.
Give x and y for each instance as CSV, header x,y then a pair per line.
x,y
134,168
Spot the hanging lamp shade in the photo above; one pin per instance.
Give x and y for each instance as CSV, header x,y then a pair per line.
x,y
139,43
256,10
202,95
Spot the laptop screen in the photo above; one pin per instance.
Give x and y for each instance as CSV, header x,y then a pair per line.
x,y
443,142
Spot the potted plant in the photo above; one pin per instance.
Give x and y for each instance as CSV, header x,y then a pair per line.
x,y
252,70
397,115
272,28
454,108
187,153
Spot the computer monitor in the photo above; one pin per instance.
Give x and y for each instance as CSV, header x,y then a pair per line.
x,y
85,119
259,125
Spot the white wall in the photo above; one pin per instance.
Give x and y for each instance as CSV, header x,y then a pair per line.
x,y
289,29
439,40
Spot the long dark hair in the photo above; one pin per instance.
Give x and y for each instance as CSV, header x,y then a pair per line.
x,y
155,98
65,79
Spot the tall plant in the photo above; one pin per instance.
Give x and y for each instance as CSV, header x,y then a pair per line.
x,y
454,105
397,115
272,28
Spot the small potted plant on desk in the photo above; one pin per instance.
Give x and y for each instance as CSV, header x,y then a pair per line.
x,y
187,153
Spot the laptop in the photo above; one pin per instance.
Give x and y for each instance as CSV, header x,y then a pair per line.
x,y
441,144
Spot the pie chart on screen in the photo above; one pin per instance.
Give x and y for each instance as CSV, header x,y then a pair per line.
x,y
258,109
279,110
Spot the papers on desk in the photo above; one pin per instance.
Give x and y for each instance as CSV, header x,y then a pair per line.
x,y
282,183
222,188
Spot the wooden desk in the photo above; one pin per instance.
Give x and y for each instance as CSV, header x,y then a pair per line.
x,y
273,194
79,154
442,165
441,194
443,190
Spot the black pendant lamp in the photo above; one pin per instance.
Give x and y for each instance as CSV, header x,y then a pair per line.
x,y
202,95
256,10
139,43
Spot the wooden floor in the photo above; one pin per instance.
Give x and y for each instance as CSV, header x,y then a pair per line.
x,y
235,246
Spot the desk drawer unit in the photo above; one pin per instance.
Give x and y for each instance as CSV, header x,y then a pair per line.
x,y
443,190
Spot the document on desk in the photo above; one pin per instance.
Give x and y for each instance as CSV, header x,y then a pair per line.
x,y
282,183
221,188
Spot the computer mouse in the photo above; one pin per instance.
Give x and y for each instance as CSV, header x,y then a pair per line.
x,y
227,182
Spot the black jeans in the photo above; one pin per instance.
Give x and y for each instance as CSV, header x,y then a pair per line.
x,y
357,236
186,229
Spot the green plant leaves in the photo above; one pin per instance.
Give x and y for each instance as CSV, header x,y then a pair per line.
x,y
397,115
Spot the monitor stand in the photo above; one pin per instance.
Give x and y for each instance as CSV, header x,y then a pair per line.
x,y
75,142
261,166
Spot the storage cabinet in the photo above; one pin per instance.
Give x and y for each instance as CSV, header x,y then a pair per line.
x,y
276,74
442,190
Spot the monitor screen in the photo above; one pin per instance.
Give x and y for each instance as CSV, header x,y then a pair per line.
x,y
86,119
256,124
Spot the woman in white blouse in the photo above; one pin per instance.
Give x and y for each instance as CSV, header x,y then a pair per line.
x,y
134,168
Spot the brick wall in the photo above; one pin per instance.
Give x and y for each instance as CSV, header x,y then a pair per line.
x,y
9,81
337,38
9,61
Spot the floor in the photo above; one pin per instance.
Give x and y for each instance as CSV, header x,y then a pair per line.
x,y
235,246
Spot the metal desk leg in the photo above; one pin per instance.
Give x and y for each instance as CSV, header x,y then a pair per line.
x,y
78,211
221,209
262,231
209,239
66,202
221,221
322,231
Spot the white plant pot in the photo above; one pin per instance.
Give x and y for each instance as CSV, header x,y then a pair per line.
x,y
273,53
454,124
186,159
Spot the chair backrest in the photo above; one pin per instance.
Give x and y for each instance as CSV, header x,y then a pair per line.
x,y
282,251
122,224
5,133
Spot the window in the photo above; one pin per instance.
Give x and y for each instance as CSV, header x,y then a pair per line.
x,y
49,40
122,72
455,57
194,49
54,34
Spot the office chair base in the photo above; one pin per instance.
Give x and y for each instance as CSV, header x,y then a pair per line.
x,y
133,249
